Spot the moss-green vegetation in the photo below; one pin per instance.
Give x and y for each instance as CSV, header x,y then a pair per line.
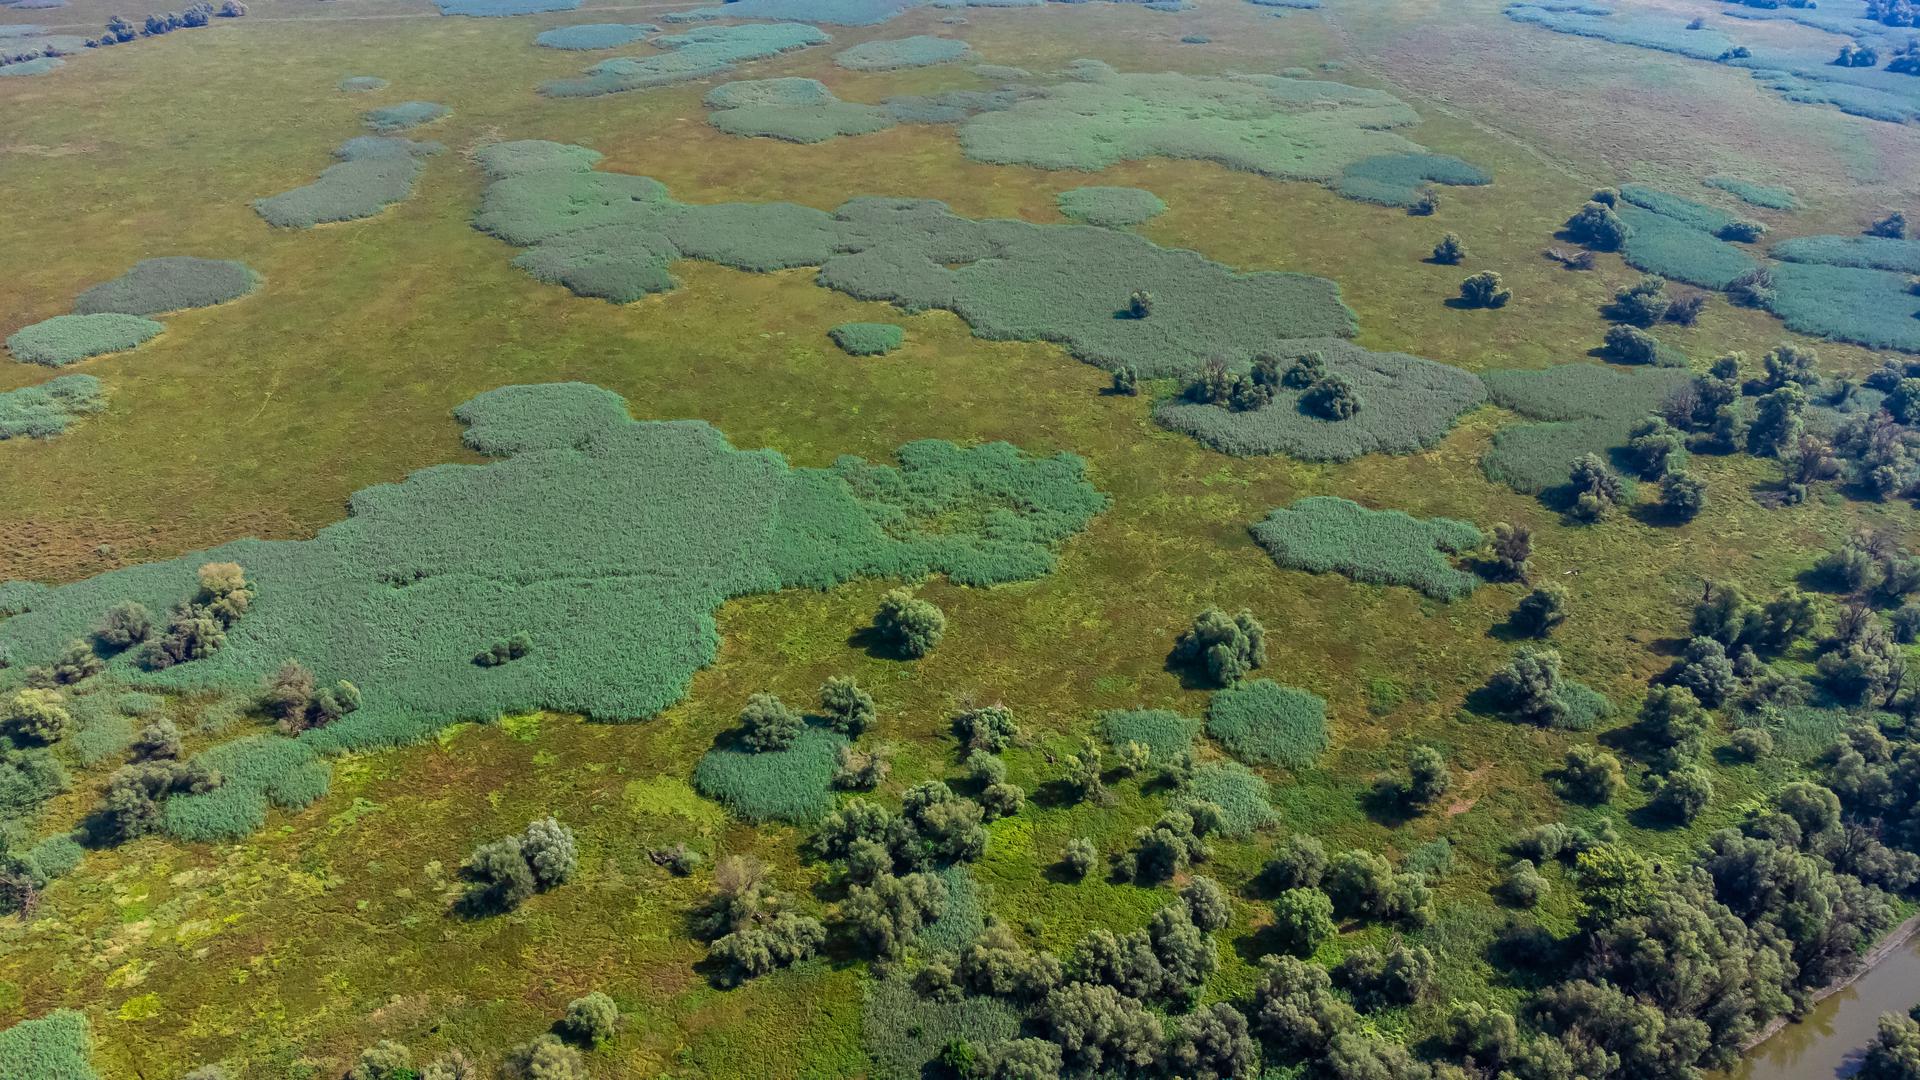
x,y
1397,179
68,339
1165,733
1110,207
1865,252
696,54
796,110
54,1047
389,119
1264,723
867,339
1381,547
920,50
1239,792
1687,212
1868,307
1287,129
593,554
614,236
1673,249
1588,409
795,784
46,410
1753,194
360,84
589,36
1408,404
172,283
373,173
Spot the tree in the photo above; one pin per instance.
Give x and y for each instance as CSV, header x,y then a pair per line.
x,y
1296,1010
1682,495
125,625
1307,368
546,1058
590,1020
1596,489
130,807
1643,303
1590,774
1426,204
908,624
34,717
848,709
76,662
1524,885
384,1060
1079,858
1213,1044
1751,744
1778,421
1788,364
1300,863
1126,381
1629,345
1227,648
156,741
504,651
452,1065
1302,921
1742,232
1400,976
1099,1028
1170,845
1655,447
759,948
1894,1053
1893,226
1449,251
767,725
1206,904
1863,664
1705,670
1683,793
507,872
996,963
861,770
1512,548
1427,778
1140,304
1359,883
1027,1059
989,727
886,916
1529,689
1598,227
1485,290
1333,398
946,827
1541,611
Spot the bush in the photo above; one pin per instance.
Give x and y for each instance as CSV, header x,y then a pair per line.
x,y
46,410
158,740
1595,488
848,709
1597,226
1303,921
1591,775
1449,251
1332,398
384,1060
591,1020
1299,864
1682,495
1627,345
1541,611
768,725
125,625
990,728
1401,976
507,872
1096,1027
1643,303
909,625
1384,547
1265,723
1524,885
1484,290
1226,648
1751,744
546,1058
1683,793
1207,904
888,915
1079,858
504,651
1427,777
868,339
1706,672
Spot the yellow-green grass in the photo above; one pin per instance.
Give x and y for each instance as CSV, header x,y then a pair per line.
x,y
330,928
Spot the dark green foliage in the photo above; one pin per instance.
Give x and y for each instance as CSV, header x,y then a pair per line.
x,y
1743,232
131,804
1126,381
1224,647
1893,226
1530,688
886,916
504,651
1541,611
1098,1027
158,740
1207,905
1643,303
507,872
1682,495
1449,251
1400,976
1683,793
1655,447
1751,744
768,725
905,1032
384,1060
1627,345
1512,548
34,717
1212,1044
1300,863
1596,489
1385,547
1868,307
848,709
1863,665
373,173
867,339
125,624
590,1020
1303,920
546,1057
173,283
1484,290
1705,671
1894,1053
910,625
1079,858
988,727
1427,777
1296,1010
1174,842
1524,885
1265,723
1591,775
1589,408
197,627
1598,226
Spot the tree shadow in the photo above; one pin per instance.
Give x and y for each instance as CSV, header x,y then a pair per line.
x,y
1658,516
1529,956
1192,676
1385,804
1460,303
876,644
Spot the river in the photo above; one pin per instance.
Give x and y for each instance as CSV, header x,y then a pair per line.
x,y
1830,1040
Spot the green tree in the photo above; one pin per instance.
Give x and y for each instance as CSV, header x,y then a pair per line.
x,y
1485,290
1302,921
1449,251
767,725
909,625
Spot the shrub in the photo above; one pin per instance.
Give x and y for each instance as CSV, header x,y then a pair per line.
x,y
1892,226
1751,744
384,1060
1686,307
1126,381
1597,226
1705,671
1643,303
1449,251
868,339
1541,611
452,1065
507,872
1591,775
768,725
1207,905
1744,232
1139,304
125,625
1683,793
68,339
1332,398
1523,885
591,1020
911,626
1530,688
1296,1010
1401,976
1385,547
504,651
1079,858
1683,495
1226,648
1299,864
990,728
1263,722
160,739
1627,345
1427,777
1097,1027
1303,921
1595,487
886,916
35,717
1512,547
546,1058
848,709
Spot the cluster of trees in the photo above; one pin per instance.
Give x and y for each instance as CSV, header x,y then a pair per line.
x,y
293,699
1323,393
1893,12
555,1055
121,30
1857,54
1596,225
749,925
504,651
1645,303
198,626
507,872
130,806
1223,647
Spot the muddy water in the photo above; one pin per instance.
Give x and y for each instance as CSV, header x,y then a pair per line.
x,y
1829,1042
